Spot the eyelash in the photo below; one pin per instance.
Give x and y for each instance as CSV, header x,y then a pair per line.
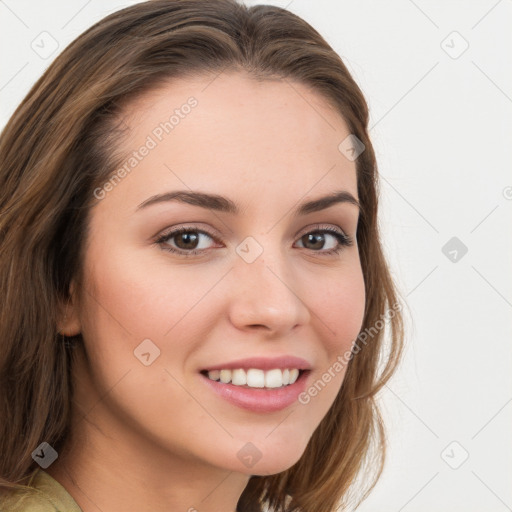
x,y
343,240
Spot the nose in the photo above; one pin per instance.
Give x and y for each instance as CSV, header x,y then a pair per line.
x,y
266,296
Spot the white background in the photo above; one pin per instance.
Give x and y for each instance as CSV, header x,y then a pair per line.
x,y
442,128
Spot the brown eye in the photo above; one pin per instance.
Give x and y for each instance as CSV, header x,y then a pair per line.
x,y
185,241
316,240
313,240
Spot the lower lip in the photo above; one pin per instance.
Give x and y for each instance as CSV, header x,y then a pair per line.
x,y
259,399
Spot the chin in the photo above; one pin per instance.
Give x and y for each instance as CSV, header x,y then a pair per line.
x,y
273,467
268,460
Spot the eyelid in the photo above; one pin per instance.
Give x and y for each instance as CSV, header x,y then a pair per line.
x,y
213,234
160,238
321,227
185,227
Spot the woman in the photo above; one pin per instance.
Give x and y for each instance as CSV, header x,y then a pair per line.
x,y
195,293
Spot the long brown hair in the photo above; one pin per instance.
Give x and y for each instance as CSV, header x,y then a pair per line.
x,y
60,145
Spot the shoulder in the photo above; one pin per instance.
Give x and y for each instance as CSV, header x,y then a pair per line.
x,y
34,502
46,495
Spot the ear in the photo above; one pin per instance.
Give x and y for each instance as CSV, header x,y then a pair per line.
x,y
68,320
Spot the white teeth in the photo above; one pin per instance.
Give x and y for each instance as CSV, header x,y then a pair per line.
x,y
225,376
273,379
256,378
214,374
238,378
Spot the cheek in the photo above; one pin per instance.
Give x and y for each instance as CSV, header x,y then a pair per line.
x,y
129,302
340,306
138,299
125,305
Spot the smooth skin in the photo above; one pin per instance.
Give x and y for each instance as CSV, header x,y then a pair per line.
x,y
156,437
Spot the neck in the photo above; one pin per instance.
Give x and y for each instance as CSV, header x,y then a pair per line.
x,y
130,477
108,464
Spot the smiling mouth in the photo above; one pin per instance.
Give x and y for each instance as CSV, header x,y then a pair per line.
x,y
255,378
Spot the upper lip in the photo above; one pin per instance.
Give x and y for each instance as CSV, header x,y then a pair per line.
x,y
263,363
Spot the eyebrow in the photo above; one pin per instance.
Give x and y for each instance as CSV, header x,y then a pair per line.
x,y
223,204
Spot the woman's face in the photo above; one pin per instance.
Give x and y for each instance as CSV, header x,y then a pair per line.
x,y
258,287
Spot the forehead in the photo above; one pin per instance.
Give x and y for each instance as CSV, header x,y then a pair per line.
x,y
231,130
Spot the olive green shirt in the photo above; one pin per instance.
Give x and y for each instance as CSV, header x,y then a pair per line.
x,y
51,498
